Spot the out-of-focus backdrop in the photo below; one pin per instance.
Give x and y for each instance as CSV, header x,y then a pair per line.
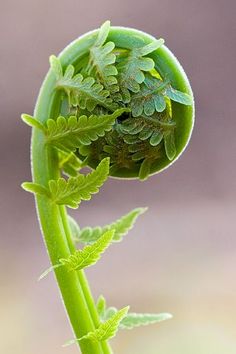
x,y
181,255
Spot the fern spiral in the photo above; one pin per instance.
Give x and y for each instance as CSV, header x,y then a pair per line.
x,y
119,68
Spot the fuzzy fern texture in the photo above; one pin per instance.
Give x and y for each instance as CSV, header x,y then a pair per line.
x,y
117,101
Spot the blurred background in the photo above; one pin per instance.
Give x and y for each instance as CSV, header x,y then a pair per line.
x,y
180,257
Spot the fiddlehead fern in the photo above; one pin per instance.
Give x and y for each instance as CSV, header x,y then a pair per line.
x,y
118,101
155,93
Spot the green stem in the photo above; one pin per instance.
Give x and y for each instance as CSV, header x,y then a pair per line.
x,y
83,282
74,289
57,246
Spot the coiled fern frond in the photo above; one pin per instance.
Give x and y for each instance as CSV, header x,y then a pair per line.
x,y
128,84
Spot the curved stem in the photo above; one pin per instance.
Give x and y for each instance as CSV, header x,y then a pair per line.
x,y
75,292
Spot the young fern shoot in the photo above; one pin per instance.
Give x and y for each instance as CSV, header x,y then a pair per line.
x,y
124,108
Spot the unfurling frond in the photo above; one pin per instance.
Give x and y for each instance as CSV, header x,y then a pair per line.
x,y
131,68
151,97
118,101
121,228
69,133
82,92
89,255
102,60
132,320
70,192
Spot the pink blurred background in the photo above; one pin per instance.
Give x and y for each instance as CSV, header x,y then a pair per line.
x,y
180,257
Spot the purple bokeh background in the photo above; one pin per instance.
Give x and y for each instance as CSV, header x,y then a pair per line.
x,y
180,257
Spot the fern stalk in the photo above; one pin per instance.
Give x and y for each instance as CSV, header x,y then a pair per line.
x,y
83,281
74,288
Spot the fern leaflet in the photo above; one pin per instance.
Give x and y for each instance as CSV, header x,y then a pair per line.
x,y
69,133
146,128
70,192
151,97
132,320
86,257
102,60
107,329
89,255
130,69
146,154
121,228
82,92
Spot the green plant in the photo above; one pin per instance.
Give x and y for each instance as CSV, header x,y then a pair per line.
x,y
118,101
